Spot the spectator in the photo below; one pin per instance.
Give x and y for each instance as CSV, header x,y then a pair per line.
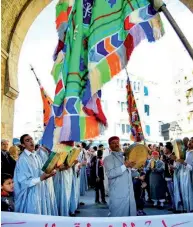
x,y
139,192
7,203
7,162
14,152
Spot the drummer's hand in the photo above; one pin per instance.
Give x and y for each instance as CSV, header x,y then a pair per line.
x,y
63,167
75,162
173,157
45,176
84,163
98,179
180,161
129,164
184,163
144,185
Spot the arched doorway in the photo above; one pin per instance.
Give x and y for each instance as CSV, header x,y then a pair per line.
x,y
17,17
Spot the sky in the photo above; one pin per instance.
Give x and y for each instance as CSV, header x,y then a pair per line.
x,y
159,62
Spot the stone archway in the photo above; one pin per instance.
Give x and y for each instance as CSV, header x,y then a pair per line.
x,y
17,17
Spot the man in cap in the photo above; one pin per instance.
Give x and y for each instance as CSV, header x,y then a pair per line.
x,y
121,195
156,180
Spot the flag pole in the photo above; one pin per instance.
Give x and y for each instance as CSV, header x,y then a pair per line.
x,y
32,69
160,6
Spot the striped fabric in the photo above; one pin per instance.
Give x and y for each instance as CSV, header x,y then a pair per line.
x,y
96,39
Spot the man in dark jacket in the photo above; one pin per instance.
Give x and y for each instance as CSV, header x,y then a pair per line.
x,y
7,162
168,173
100,178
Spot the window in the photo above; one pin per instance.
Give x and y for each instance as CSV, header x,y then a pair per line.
x,y
134,85
146,109
128,129
123,106
138,86
122,83
147,130
146,91
123,128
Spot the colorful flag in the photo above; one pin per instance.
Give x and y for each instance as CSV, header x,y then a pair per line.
x,y
96,39
134,119
46,100
48,116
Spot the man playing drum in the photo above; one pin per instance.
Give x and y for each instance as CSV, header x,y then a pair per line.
x,y
121,195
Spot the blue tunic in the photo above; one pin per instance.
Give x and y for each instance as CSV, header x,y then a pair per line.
x,y
63,186
73,204
49,183
31,194
83,175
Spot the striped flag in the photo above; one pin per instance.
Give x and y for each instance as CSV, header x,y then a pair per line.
x,y
46,100
134,118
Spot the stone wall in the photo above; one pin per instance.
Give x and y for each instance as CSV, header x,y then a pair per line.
x,y
17,17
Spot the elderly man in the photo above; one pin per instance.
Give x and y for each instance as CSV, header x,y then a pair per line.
x,y
7,162
121,195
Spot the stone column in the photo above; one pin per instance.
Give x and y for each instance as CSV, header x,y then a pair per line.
x,y
9,93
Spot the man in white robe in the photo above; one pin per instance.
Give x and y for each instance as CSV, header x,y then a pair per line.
x,y
83,175
121,194
30,191
43,152
106,152
63,187
185,179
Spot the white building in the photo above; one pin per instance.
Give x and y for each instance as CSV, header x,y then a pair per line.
x,y
114,104
183,89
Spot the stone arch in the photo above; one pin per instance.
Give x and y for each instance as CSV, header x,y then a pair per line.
x,y
17,17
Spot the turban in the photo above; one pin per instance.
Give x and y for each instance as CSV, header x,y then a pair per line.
x,y
113,138
155,153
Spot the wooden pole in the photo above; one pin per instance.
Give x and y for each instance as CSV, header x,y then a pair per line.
x,y
160,6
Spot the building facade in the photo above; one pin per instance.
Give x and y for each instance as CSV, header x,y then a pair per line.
x,y
114,102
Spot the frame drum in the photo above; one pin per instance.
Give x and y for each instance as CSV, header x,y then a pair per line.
x,y
178,148
137,153
72,156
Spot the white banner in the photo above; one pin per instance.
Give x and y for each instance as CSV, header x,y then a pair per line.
x,y
9,219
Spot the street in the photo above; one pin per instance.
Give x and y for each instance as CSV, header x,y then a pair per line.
x,y
90,209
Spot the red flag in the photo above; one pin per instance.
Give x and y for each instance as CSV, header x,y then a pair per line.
x,y
134,119
47,101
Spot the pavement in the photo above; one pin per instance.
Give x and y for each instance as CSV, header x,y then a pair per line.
x,y
90,209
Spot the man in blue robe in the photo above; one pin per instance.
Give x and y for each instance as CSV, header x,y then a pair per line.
x,y
30,186
185,171
43,152
83,174
63,186
121,194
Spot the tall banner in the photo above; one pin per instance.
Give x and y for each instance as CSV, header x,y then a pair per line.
x,y
94,45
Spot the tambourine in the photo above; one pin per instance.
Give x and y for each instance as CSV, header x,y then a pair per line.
x,y
137,153
178,148
72,156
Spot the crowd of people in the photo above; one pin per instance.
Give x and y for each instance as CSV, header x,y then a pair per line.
x,y
163,179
